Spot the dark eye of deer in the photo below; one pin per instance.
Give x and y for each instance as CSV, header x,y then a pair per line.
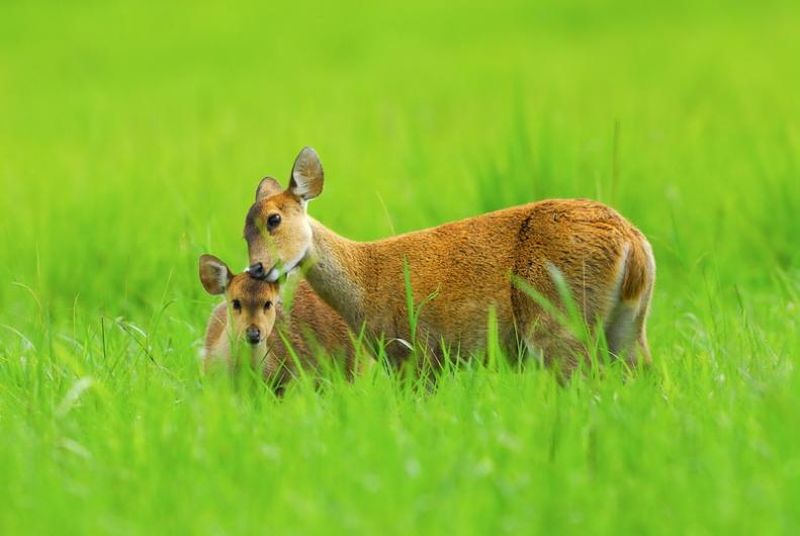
x,y
273,220
268,306
237,305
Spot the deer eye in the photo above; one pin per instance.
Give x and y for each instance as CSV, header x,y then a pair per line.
x,y
237,305
268,306
273,220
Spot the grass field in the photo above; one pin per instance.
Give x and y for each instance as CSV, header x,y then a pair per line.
x,y
132,137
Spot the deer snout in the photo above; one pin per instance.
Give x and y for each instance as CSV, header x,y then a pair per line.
x,y
253,335
257,271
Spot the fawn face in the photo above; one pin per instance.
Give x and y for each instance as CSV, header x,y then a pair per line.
x,y
251,302
277,229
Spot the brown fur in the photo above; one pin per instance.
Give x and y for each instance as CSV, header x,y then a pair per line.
x,y
635,280
470,267
311,327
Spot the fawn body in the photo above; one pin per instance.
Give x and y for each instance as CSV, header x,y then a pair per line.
x,y
467,267
252,313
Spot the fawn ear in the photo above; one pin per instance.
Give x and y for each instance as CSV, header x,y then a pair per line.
x,y
214,274
267,187
307,176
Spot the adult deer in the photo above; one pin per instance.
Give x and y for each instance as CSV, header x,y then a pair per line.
x,y
497,260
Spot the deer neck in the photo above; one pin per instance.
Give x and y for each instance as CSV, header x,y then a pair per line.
x,y
337,270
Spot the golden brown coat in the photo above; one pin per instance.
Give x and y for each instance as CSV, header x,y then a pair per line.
x,y
462,269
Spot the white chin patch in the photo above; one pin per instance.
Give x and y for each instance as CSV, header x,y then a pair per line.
x,y
273,275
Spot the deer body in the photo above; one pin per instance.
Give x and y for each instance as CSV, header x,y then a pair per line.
x,y
313,330
467,268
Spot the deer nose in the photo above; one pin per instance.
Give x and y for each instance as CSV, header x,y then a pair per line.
x,y
253,335
257,270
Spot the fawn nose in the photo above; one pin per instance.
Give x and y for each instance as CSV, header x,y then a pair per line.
x,y
257,270
253,335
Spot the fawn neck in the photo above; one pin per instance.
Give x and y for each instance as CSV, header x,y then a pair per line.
x,y
338,272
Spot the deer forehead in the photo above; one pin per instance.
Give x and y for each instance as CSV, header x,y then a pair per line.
x,y
250,290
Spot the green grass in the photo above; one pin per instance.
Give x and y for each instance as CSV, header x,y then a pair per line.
x,y
132,138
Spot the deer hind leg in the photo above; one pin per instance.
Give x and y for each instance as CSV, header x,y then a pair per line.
x,y
622,330
556,347
626,331
625,323
641,329
547,340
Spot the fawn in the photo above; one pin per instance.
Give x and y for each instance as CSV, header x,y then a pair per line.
x,y
252,313
465,268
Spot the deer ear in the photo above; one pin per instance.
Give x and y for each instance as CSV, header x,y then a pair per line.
x,y
214,274
267,187
307,175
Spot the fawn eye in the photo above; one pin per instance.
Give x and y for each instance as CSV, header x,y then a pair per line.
x,y
273,220
237,305
268,306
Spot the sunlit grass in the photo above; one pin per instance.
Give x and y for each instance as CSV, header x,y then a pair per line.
x,y
132,138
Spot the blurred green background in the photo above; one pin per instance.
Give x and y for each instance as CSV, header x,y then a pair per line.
x,y
132,136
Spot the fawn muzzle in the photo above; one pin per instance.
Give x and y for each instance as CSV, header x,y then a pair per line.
x,y
253,335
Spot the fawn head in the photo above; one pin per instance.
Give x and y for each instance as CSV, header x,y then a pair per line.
x,y
251,302
277,228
